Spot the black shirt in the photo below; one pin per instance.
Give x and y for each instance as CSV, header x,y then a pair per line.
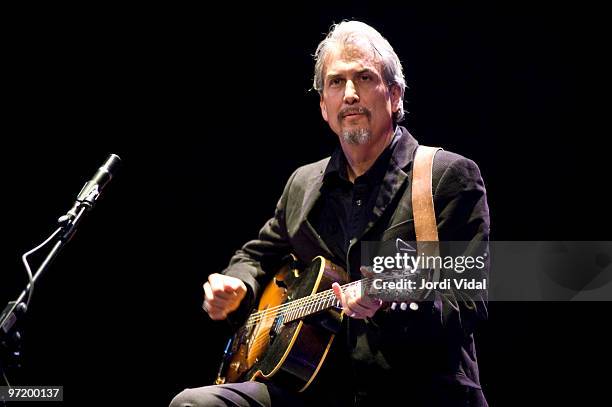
x,y
345,208
341,214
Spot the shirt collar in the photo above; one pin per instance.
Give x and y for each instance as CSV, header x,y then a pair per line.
x,y
336,169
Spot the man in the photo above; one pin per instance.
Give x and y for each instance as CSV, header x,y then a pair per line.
x,y
422,356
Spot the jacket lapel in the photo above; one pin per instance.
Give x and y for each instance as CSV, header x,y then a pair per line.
x,y
398,172
312,192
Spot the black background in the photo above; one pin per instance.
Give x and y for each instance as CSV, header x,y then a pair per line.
x,y
211,112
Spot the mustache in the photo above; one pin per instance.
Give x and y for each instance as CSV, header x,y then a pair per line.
x,y
354,110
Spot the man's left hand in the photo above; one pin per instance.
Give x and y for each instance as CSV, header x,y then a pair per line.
x,y
354,303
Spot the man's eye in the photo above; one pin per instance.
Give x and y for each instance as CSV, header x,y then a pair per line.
x,y
365,77
335,82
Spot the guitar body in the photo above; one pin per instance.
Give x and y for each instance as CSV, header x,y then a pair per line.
x,y
271,346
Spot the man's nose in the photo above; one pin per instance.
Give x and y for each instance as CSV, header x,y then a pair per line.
x,y
350,93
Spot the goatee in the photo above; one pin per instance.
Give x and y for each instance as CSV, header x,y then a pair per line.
x,y
357,136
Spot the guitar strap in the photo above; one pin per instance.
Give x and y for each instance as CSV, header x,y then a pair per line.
x,y
423,212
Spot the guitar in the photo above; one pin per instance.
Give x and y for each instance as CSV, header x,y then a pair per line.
x,y
289,336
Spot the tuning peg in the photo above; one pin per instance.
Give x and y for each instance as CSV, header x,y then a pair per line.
x,y
404,306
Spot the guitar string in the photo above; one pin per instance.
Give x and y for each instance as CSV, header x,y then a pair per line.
x,y
303,303
296,304
283,309
264,336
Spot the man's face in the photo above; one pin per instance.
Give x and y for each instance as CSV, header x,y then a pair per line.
x,y
356,102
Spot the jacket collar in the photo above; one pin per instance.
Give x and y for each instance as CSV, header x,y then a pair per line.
x,y
400,165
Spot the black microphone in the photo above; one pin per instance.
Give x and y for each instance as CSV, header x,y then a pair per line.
x,y
93,188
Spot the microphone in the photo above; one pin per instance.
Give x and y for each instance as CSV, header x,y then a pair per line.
x,y
93,188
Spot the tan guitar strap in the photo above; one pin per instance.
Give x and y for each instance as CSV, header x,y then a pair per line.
x,y
423,212
422,195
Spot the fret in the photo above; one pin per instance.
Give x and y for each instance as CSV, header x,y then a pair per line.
x,y
308,308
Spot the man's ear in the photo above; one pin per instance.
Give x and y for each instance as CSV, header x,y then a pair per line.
x,y
396,98
323,108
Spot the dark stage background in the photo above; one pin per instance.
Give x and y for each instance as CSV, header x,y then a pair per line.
x,y
211,112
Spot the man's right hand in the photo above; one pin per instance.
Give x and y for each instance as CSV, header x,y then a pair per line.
x,y
222,295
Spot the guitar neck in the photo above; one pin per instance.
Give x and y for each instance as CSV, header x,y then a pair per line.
x,y
306,306
314,303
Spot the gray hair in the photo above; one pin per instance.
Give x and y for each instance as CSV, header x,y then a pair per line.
x,y
358,33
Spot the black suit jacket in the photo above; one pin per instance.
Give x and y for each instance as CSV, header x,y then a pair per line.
x,y
429,348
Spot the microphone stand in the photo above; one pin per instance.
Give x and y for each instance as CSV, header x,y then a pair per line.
x,y
14,310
